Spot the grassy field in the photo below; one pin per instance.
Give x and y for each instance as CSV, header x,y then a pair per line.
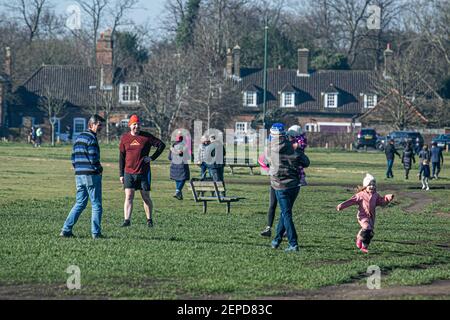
x,y
189,254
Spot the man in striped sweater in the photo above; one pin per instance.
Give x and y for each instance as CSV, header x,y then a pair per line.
x,y
88,178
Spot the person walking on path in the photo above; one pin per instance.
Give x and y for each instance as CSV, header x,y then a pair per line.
x,y
407,159
437,159
367,200
424,157
390,152
88,178
134,166
284,161
179,165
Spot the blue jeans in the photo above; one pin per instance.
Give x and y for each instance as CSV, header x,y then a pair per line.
x,y
390,163
88,186
436,168
179,185
204,171
286,199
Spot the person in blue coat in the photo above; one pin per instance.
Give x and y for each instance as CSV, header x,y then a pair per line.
x,y
436,160
179,165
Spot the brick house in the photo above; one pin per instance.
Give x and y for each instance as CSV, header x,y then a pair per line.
x,y
328,101
84,89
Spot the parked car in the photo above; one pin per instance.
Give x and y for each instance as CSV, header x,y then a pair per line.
x,y
401,138
442,140
366,138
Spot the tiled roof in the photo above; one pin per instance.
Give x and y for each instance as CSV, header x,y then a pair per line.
x,y
65,82
348,83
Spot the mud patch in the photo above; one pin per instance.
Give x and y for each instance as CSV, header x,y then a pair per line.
x,y
352,291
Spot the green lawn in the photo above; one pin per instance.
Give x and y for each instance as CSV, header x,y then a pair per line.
x,y
189,254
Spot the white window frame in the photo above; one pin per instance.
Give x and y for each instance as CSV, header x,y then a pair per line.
x,y
329,95
285,96
311,127
241,123
75,120
253,95
125,88
366,101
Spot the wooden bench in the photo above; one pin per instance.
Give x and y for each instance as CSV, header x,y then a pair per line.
x,y
241,163
217,190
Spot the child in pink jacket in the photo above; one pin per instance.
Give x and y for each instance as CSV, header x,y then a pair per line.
x,y
367,199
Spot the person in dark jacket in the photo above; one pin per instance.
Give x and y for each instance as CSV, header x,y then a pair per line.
x,y
179,165
424,156
215,158
436,160
390,152
407,159
284,161
88,178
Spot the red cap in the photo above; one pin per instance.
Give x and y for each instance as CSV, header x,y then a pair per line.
x,y
133,119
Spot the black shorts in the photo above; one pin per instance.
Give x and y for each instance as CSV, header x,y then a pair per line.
x,y
137,181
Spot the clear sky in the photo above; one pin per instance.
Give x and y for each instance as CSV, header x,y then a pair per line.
x,y
148,11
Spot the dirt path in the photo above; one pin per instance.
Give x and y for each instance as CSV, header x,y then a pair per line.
x,y
420,200
439,289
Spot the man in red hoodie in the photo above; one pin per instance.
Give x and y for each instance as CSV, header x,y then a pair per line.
x,y
134,165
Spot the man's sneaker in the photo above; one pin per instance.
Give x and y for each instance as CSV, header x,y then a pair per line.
x,y
428,188
126,223
149,223
359,243
291,248
267,232
423,187
66,234
275,244
98,236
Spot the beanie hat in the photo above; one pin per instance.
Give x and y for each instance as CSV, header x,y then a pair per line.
x,y
368,179
277,129
294,131
133,119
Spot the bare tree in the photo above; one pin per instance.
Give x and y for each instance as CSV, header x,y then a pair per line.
x,y
163,87
406,87
433,23
30,12
52,104
102,14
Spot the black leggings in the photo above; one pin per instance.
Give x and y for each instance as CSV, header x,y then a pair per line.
x,y
272,207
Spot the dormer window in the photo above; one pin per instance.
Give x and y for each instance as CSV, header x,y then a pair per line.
x,y
250,99
370,100
129,93
331,100
288,99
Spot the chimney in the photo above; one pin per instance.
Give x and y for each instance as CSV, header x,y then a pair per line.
x,y
8,62
303,62
237,61
387,60
229,66
104,55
